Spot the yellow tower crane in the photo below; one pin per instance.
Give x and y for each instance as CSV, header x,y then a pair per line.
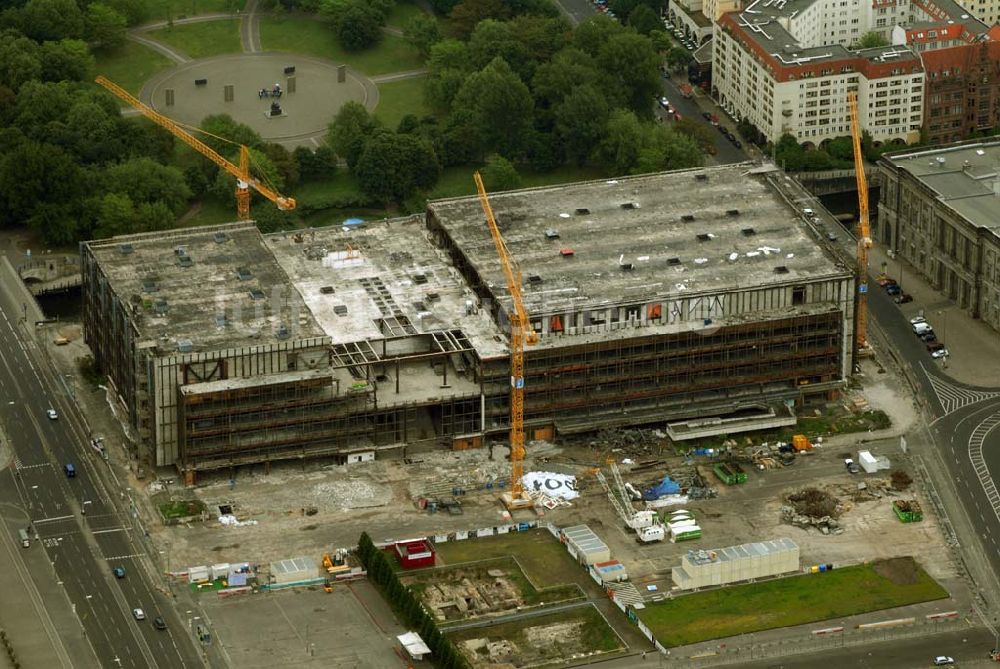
x,y
521,333
864,231
244,180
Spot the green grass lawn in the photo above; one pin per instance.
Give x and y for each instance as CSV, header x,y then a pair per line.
x,y
404,11
182,508
592,635
160,10
343,184
213,212
457,181
315,38
399,98
795,600
200,40
543,559
131,66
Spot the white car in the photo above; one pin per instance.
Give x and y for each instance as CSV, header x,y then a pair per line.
x,y
139,614
51,413
940,353
942,660
665,103
918,319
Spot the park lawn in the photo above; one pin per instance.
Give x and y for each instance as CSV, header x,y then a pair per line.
x,y
162,10
403,13
396,99
457,181
544,560
131,65
340,185
784,602
213,211
315,38
200,40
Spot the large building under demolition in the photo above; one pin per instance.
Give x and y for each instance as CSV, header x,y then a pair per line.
x,y
698,299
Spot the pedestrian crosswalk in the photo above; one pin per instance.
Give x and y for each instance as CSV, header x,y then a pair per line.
x,y
953,397
976,440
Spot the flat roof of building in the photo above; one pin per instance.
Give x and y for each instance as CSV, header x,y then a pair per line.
x,y
380,280
639,239
757,548
964,175
203,289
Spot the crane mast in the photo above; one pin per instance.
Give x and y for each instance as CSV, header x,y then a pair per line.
x,y
864,231
244,180
520,334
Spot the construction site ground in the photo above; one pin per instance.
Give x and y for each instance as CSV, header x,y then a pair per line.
x,y
309,508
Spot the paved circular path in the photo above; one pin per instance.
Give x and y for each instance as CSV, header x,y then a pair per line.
x,y
307,111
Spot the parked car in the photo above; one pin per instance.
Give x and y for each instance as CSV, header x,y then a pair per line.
x,y
738,144
917,319
934,346
664,102
893,289
928,336
942,660
942,353
903,298
831,236
886,281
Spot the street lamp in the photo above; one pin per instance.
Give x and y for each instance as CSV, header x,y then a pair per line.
x,y
944,336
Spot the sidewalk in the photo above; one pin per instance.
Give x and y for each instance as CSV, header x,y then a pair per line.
x,y
973,345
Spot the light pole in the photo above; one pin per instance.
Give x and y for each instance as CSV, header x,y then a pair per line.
x,y
944,337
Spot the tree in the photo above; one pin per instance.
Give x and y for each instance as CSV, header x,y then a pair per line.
x,y
870,40
286,166
66,60
697,131
269,218
581,122
633,65
105,26
678,59
496,39
567,70
392,166
52,20
360,27
315,164
33,176
228,128
350,128
449,54
145,180
466,15
661,40
20,60
624,140
501,108
644,20
423,32
500,174
594,33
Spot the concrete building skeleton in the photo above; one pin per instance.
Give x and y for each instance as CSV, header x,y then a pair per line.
x,y
696,295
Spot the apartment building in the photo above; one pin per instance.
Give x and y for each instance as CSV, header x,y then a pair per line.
x,y
786,69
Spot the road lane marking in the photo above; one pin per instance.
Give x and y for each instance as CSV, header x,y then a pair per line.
x,y
113,529
123,557
50,520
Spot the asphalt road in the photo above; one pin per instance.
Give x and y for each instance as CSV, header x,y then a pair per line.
x,y
966,646
83,549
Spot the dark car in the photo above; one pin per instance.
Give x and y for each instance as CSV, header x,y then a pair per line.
x,y
737,144
707,116
119,572
928,336
893,290
903,298
159,624
934,346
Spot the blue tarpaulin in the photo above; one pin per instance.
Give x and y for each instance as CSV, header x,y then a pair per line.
x,y
666,487
353,221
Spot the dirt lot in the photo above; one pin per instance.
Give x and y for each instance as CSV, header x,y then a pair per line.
x,y
557,637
